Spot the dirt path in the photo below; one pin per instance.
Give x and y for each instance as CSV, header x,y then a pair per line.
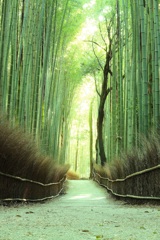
x,y
85,212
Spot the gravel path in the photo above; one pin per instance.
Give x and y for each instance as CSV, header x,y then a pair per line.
x,y
85,212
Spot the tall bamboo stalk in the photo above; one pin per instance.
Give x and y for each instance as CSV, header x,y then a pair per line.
x,y
32,90
135,66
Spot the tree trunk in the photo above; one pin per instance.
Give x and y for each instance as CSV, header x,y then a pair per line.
x,y
103,95
100,118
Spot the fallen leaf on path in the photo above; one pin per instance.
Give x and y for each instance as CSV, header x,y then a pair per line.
x,y
142,227
99,236
85,230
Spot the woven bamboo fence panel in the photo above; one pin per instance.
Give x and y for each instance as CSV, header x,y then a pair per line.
x,y
140,185
13,188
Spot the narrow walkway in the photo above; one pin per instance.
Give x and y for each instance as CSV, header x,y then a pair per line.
x,y
86,212
85,193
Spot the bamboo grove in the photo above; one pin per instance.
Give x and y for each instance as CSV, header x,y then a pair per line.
x,y
38,76
132,106
34,91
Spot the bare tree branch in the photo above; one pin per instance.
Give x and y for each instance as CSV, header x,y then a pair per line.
x,y
91,41
96,85
96,56
102,36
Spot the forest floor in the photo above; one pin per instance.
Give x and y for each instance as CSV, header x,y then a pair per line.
x,y
86,212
